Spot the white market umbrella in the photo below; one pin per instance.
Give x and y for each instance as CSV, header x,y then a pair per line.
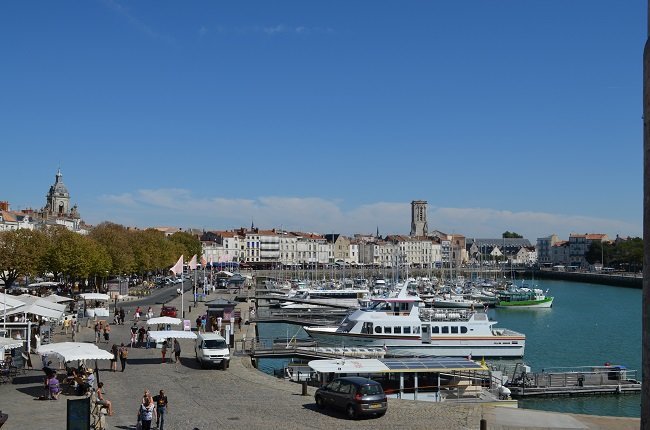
x,y
164,320
176,334
72,351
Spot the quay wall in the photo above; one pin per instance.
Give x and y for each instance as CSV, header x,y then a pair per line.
x,y
617,280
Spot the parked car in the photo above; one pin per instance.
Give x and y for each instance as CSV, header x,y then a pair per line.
x,y
168,311
355,395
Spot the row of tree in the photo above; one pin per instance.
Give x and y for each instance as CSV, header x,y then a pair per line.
x,y
624,255
109,250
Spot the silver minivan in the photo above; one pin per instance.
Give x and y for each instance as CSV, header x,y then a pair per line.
x,y
211,348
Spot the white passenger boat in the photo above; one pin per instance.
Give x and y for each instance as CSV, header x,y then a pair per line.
x,y
455,301
402,326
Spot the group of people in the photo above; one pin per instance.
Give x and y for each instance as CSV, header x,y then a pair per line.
x,y
139,336
119,352
176,348
138,314
152,407
102,327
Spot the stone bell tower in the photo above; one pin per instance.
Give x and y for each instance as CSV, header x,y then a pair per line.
x,y
58,198
419,225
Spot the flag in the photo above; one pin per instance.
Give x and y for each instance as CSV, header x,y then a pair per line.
x,y
192,263
178,267
203,261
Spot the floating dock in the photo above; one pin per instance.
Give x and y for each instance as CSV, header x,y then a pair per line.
x,y
575,382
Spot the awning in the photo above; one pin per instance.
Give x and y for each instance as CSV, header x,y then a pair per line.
x,y
176,334
43,284
72,351
164,320
8,343
35,309
10,301
95,296
395,365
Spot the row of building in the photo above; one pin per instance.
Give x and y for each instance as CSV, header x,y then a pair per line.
x,y
270,248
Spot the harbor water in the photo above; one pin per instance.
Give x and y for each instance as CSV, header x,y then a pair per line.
x,y
588,325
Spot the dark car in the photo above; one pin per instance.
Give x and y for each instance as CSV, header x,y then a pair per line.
x,y
355,395
168,311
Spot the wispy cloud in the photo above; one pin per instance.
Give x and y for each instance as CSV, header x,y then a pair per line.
x,y
277,29
136,23
203,31
181,208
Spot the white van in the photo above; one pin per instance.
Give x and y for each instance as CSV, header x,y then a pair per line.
x,y
212,348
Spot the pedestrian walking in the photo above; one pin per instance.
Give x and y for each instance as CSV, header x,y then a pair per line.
x,y
198,324
116,352
124,353
98,332
136,317
150,312
121,316
141,332
163,351
177,351
134,334
204,322
107,332
146,413
74,330
161,409
148,339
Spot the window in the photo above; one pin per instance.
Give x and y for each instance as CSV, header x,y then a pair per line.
x,y
454,330
388,329
407,330
435,330
463,329
378,330
445,329
397,330
416,330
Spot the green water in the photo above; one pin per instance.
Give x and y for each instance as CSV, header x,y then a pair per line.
x,y
588,325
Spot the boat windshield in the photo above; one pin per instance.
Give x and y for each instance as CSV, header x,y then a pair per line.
x,y
381,306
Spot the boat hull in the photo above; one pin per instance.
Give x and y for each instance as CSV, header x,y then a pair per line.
x,y
527,304
496,346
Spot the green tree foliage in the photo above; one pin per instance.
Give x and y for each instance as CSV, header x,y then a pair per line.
x,y
118,242
21,253
511,235
191,244
622,254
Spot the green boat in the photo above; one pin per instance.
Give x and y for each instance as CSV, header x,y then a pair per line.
x,y
524,298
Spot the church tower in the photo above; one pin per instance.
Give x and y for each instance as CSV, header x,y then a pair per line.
x,y
58,198
419,225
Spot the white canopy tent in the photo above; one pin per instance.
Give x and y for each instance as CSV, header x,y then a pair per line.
x,y
164,320
43,284
72,351
9,301
92,311
176,334
40,301
36,309
9,343
57,299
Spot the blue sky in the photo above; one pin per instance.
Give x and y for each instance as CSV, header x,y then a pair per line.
x,y
517,115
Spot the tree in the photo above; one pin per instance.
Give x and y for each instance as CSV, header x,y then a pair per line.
x,y
511,235
21,253
116,239
191,244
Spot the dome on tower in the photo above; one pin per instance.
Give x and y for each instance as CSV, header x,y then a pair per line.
x,y
59,189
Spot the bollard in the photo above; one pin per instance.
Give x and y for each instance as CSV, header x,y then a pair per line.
x,y
483,425
304,388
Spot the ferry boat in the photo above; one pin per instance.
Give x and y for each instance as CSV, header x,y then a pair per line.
x,y
404,327
524,298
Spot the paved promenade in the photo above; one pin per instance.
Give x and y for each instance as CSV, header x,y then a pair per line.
x,y
243,397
